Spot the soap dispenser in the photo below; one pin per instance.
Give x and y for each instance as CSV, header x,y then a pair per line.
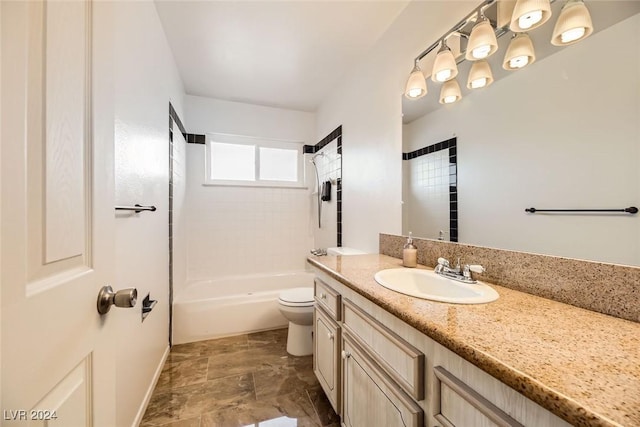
x,y
410,253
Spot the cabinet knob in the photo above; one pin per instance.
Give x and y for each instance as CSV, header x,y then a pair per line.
x,y
345,354
329,335
323,295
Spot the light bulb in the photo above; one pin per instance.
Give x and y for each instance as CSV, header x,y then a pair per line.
x,y
443,75
529,14
482,41
444,66
520,53
572,35
450,92
416,84
480,75
478,83
573,24
481,52
530,19
414,93
519,61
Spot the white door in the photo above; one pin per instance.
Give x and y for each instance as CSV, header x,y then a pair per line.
x,y
57,213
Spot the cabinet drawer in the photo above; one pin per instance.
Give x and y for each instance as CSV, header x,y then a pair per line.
x,y
326,352
327,298
402,361
370,397
459,405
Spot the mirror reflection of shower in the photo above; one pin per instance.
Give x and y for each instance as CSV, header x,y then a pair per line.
x,y
318,191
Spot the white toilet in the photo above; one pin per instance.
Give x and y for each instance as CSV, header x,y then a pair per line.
x,y
296,305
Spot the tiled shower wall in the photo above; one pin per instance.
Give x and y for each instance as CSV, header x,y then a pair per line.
x,y
430,191
243,230
329,169
234,231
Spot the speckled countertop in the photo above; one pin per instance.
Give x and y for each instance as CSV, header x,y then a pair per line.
x,y
581,365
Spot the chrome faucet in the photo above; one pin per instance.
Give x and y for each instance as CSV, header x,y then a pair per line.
x,y
461,274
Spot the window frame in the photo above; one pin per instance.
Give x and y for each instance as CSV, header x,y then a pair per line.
x,y
257,142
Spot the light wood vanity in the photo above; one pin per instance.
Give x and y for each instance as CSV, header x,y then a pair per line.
x,y
380,370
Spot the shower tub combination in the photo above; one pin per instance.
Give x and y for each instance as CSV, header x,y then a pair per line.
x,y
216,308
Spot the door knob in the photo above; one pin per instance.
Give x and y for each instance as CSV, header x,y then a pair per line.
x,y
123,298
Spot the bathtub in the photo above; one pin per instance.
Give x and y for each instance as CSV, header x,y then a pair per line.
x,y
216,308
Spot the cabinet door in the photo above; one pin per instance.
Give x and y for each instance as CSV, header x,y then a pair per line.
x,y
460,405
370,397
326,361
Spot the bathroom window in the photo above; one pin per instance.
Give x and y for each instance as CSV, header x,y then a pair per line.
x,y
245,161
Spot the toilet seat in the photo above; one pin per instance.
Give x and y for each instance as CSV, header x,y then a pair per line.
x,y
297,297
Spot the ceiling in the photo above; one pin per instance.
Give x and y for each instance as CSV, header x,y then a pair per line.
x,y
286,54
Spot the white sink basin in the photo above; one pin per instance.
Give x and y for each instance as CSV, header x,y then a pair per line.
x,y
429,285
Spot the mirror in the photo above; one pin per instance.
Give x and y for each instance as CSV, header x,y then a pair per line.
x,y
561,133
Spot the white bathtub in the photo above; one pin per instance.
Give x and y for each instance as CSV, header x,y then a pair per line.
x,y
234,305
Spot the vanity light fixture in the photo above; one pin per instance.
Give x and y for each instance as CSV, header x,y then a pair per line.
x,y
450,92
482,40
444,67
520,52
480,75
529,14
573,24
417,84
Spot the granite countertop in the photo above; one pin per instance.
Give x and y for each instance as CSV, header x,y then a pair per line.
x,y
581,365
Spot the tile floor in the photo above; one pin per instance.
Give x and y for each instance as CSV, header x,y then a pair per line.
x,y
247,380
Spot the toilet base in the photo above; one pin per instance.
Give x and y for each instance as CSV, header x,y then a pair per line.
x,y
300,340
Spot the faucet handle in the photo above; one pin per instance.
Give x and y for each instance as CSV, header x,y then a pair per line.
x,y
477,268
443,261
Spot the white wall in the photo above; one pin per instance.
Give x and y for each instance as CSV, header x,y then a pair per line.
x,y
571,139
146,80
242,230
367,103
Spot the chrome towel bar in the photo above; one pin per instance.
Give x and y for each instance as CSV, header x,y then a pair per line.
x,y
631,210
137,208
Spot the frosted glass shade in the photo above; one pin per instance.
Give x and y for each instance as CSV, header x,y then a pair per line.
x,y
482,42
520,53
450,92
529,14
416,85
480,75
444,67
573,24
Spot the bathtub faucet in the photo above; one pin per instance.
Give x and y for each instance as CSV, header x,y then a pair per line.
x,y
319,252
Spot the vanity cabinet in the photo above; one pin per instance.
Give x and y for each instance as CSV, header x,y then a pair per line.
x,y
326,352
327,342
372,398
390,374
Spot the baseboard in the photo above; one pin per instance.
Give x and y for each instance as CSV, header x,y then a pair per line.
x,y
147,396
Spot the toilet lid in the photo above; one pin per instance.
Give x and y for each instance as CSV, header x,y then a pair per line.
x,y
297,296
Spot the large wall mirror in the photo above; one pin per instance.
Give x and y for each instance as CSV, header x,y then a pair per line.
x,y
561,133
